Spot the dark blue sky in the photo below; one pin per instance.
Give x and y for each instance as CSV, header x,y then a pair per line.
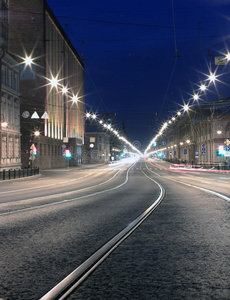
x,y
130,55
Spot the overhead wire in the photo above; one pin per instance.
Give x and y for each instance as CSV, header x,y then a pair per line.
x,y
174,65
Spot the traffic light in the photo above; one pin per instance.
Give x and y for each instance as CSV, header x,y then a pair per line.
x,y
35,151
68,153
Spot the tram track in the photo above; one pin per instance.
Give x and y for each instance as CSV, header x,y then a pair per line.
x,y
73,280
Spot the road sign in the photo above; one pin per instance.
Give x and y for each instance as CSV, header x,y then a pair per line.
x,y
196,154
185,151
227,142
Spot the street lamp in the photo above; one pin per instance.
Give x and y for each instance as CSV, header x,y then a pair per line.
x,y
203,87
75,99
36,133
219,131
195,97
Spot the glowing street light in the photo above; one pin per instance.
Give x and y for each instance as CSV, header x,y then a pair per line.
x,y
28,60
186,107
178,113
195,97
88,115
75,99
203,87
4,124
64,90
54,82
94,116
37,133
228,56
212,77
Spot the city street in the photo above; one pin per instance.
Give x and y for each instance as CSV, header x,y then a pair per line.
x,y
114,150
51,223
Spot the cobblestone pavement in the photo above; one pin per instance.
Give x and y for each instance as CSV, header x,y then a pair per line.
x,y
180,252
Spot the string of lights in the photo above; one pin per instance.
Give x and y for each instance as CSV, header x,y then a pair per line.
x,y
55,82
195,97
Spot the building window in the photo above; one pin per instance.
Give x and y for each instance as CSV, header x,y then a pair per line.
x,y
16,148
10,74
92,139
10,112
4,153
3,74
10,148
16,86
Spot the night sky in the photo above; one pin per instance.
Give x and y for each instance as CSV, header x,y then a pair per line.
x,y
129,50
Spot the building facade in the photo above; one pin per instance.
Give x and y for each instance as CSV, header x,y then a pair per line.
x,y
96,148
201,137
51,85
10,114
10,152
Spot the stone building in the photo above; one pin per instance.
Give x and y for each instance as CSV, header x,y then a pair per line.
x,y
97,147
199,137
51,85
10,114
10,152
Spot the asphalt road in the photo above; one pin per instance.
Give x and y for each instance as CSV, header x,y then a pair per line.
x,y
52,223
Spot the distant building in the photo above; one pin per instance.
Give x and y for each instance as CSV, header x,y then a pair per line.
x,y
201,137
97,147
46,108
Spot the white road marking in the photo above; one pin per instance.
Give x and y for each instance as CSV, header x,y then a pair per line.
x,y
197,187
70,200
39,187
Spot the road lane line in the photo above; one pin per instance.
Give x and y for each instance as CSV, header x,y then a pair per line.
x,y
69,200
39,187
196,187
67,193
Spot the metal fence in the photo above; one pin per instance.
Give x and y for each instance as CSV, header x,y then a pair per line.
x,y
18,173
